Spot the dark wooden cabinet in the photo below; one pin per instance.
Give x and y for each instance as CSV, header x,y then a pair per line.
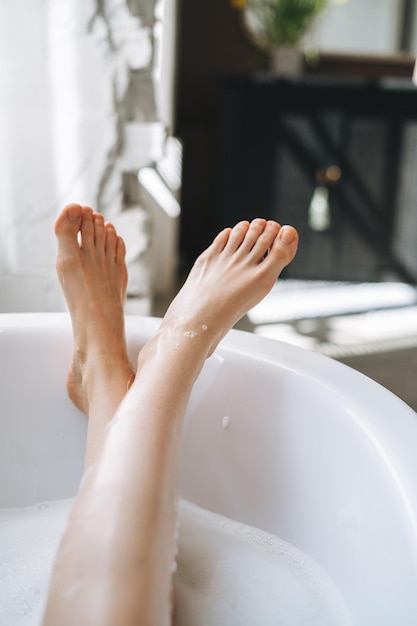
x,y
291,148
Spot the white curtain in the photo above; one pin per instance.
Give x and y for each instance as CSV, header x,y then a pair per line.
x,y
56,122
67,72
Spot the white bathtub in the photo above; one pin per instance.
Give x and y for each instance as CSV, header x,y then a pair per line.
x,y
313,451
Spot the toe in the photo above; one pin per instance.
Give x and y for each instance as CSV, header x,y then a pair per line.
x,y
237,236
120,251
73,213
256,228
284,246
69,220
87,229
99,231
264,241
67,227
288,234
110,241
217,246
220,241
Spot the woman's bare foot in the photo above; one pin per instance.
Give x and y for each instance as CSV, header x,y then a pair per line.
x,y
229,278
92,272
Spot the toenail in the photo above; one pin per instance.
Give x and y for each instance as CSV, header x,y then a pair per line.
x,y
287,234
74,213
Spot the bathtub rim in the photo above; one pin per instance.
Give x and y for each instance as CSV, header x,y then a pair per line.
x,y
395,439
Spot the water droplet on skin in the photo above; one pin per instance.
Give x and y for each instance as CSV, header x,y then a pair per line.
x,y
190,334
204,327
226,421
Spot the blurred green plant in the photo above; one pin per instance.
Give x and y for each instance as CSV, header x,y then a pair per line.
x,y
282,22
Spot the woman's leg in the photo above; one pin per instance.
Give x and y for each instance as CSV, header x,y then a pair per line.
x,y
92,271
114,565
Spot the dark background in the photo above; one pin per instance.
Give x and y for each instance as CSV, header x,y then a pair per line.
x,y
253,143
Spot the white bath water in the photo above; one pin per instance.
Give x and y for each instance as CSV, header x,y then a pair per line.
x,y
228,573
29,539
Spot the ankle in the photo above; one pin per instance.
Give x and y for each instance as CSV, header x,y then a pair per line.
x,y
178,338
106,375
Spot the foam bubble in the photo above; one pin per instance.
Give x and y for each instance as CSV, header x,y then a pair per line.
x,y
29,540
228,573
226,421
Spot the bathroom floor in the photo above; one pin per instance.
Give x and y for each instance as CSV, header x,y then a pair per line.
x,y
371,327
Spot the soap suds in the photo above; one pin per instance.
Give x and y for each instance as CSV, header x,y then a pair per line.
x,y
228,573
226,421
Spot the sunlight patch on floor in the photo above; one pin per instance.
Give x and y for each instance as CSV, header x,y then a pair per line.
x,y
292,299
340,319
